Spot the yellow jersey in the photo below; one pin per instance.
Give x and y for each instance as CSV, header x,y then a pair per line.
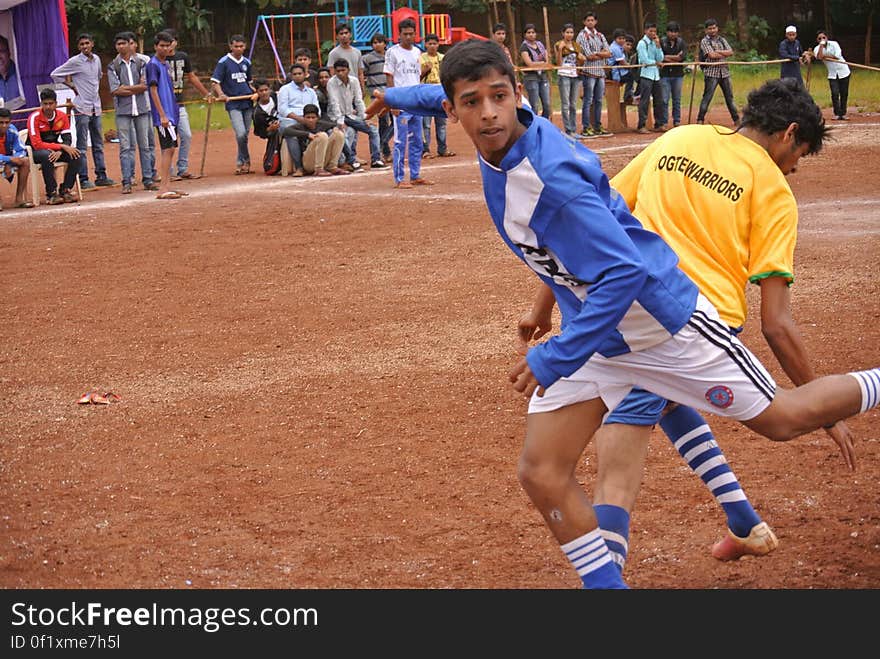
x,y
433,76
722,204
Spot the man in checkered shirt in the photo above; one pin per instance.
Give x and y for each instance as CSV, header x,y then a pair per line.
x,y
597,52
714,48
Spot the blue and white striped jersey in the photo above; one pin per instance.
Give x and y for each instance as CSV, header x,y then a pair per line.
x,y
617,285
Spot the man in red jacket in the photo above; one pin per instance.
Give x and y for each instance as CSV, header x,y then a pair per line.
x,y
45,128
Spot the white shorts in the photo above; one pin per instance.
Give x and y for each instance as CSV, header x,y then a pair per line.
x,y
703,365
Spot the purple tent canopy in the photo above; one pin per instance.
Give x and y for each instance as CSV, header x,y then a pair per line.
x,y
40,40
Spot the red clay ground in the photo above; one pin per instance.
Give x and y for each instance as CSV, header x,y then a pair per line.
x,y
314,390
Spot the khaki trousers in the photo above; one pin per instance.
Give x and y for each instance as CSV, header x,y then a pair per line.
x,y
323,151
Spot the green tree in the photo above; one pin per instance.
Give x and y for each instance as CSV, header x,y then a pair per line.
x,y
867,12
104,18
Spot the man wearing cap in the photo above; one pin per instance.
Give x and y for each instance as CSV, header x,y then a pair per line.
x,y
791,51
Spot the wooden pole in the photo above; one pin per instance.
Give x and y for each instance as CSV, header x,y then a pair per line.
x,y
809,72
693,85
512,33
205,143
546,31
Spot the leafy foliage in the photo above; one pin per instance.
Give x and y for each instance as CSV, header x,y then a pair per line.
x,y
104,18
757,32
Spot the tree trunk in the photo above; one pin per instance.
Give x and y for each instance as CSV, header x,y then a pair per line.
x,y
633,17
640,27
742,20
511,29
868,37
826,15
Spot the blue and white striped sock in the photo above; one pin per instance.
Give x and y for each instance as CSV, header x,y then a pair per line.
x,y
869,383
694,441
589,556
614,527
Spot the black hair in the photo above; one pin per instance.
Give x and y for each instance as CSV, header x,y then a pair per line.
x,y
567,25
405,24
589,14
430,37
825,32
649,25
529,26
259,82
327,69
471,60
311,108
341,63
171,31
48,94
710,22
85,35
162,37
342,26
237,37
378,37
297,66
302,51
498,26
121,36
778,103
630,38
5,113
618,32
673,26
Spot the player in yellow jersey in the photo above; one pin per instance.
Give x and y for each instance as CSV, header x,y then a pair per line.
x,y
719,198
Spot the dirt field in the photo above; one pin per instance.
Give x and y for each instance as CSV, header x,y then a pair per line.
x,y
314,394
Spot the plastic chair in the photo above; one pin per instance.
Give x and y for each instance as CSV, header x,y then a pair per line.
x,y
37,178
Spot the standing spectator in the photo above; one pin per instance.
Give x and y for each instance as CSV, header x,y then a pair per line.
x,y
82,73
596,51
48,132
232,77
164,109
618,58
347,52
127,77
292,98
714,48
650,89
499,36
403,69
537,85
790,50
181,70
13,158
374,77
672,77
303,56
145,59
320,141
838,72
347,109
430,61
568,57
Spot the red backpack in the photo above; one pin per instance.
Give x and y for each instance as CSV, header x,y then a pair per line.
x,y
272,157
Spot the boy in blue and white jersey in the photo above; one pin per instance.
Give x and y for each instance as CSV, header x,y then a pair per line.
x,y
630,317
233,77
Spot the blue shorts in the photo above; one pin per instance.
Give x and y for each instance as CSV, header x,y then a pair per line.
x,y
639,408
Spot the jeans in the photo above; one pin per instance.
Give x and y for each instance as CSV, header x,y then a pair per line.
x,y
651,90
134,134
568,95
41,157
184,130
672,89
709,92
356,126
839,95
241,125
407,142
630,84
439,130
594,92
386,133
538,89
90,126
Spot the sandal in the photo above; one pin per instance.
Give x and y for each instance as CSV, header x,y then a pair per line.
x,y
246,169
447,154
25,204
171,194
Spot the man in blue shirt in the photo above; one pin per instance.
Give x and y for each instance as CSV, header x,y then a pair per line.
x,y
650,88
292,98
790,50
233,78
164,109
630,317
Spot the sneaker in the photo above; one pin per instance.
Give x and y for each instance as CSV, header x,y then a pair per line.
x,y
151,186
601,132
659,129
104,182
643,131
86,185
356,166
589,132
55,200
378,165
126,188
761,541
68,198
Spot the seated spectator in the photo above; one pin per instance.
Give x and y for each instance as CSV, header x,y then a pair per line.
x,y
266,110
292,98
13,158
346,106
324,75
49,136
321,143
